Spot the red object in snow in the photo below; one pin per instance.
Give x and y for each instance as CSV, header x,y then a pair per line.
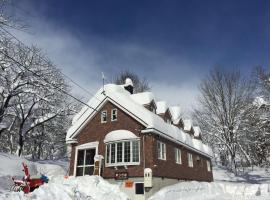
x,y
27,184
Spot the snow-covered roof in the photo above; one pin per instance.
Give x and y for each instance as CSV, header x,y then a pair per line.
x,y
197,131
176,114
119,135
187,124
143,98
162,107
118,95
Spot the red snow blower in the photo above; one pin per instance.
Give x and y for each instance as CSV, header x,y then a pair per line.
x,y
28,184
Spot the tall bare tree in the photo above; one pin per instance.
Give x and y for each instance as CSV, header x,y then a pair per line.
x,y
224,103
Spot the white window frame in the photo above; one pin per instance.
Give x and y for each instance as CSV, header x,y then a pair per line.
x,y
208,166
102,115
161,150
123,163
178,156
190,160
90,145
114,114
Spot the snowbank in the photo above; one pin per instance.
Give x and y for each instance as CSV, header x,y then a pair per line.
x,y
212,191
87,187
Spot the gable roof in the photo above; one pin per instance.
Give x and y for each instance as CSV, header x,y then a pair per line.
x,y
122,98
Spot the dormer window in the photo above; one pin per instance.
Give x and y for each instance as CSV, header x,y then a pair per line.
x,y
104,116
114,115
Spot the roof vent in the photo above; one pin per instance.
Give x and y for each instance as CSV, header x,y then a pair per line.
x,y
129,85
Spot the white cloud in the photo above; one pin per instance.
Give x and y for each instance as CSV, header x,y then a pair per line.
x,y
171,78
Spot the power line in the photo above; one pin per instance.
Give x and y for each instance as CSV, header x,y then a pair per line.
x,y
18,40
56,87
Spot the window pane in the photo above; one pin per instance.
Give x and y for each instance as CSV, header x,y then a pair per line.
x,y
127,152
90,154
108,153
135,151
80,157
88,170
112,153
79,171
114,115
119,151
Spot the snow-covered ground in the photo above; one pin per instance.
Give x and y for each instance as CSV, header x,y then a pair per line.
x,y
252,184
58,188
226,186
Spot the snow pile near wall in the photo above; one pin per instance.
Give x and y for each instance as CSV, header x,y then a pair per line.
x,y
87,187
212,191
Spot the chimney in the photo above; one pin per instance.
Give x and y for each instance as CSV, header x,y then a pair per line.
x,y
129,85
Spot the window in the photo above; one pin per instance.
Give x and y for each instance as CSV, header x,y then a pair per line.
x,y
85,162
178,158
114,115
161,150
190,160
104,116
208,166
139,188
123,153
169,121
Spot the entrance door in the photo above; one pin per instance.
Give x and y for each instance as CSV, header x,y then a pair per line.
x,y
85,161
139,191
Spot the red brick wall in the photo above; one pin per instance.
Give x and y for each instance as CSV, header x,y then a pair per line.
x,y
170,169
96,131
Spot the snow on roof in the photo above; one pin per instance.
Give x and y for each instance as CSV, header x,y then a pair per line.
x,y
197,131
128,81
187,124
161,107
176,112
119,135
116,93
143,98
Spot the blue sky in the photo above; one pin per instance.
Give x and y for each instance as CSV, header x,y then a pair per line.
x,y
173,44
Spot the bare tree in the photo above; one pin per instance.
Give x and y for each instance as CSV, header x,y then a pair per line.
x,y
224,103
140,84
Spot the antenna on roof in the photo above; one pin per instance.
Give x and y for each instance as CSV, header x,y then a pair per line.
x,y
103,81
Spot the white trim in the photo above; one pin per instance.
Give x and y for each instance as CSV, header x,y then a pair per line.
x,y
208,166
116,113
90,145
190,160
178,155
165,153
101,116
123,158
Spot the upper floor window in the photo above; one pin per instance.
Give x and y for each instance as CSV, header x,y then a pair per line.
x,y
114,115
208,166
178,158
104,116
190,160
161,147
123,153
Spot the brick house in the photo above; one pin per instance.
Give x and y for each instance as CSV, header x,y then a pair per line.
x,y
136,142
